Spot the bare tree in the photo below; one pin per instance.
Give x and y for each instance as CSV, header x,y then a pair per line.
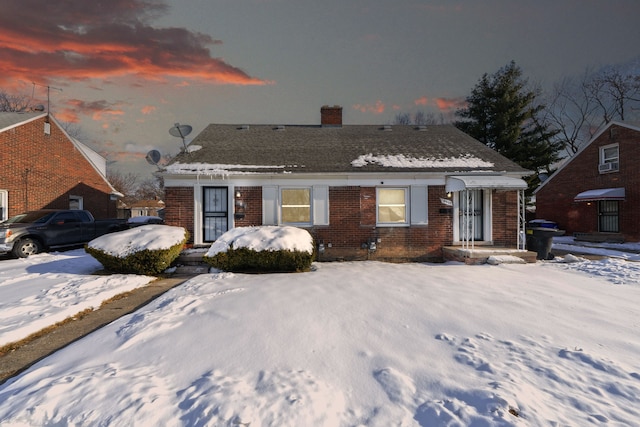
x,y
12,103
402,119
125,183
579,108
419,118
151,189
74,130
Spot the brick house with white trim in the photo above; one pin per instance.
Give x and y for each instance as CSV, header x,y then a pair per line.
x,y
595,195
43,167
398,193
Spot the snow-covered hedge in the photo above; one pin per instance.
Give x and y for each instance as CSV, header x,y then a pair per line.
x,y
262,250
148,249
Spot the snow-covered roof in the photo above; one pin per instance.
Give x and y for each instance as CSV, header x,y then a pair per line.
x,y
353,149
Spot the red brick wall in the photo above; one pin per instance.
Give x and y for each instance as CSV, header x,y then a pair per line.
x,y
250,201
505,218
353,223
179,210
555,202
41,171
331,116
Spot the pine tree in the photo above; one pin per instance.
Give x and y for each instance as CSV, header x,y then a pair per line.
x,y
502,112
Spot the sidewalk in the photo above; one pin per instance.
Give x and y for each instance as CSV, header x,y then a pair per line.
x,y
19,360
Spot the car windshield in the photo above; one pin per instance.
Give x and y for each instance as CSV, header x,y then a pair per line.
x,y
30,217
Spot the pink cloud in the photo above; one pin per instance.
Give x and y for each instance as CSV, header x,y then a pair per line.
x,y
450,104
421,101
148,109
377,108
89,39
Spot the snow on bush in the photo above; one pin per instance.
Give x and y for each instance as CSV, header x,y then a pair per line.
x,y
262,249
148,249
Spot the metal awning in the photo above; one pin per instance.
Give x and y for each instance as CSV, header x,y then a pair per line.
x,y
466,182
600,194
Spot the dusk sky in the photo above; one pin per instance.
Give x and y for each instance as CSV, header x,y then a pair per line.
x,y
129,69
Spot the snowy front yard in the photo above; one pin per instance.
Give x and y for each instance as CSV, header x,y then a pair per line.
x,y
350,344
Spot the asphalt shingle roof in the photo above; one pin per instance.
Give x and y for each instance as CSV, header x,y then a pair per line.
x,y
8,119
317,149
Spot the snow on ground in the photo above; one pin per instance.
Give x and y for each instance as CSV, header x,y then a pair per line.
x,y
38,291
357,344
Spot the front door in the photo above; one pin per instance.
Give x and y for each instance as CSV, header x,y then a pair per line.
x,y
471,219
215,212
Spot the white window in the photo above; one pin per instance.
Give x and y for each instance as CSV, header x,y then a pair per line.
x,y
609,158
75,202
391,204
295,205
4,205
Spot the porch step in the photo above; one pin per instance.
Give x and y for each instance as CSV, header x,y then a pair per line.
x,y
191,257
480,255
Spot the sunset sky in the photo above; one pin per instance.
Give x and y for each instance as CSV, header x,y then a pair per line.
x,y
124,71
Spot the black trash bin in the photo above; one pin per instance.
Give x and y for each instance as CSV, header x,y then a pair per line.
x,y
540,239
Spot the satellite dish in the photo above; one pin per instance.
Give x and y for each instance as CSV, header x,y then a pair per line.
x,y
180,131
543,177
153,157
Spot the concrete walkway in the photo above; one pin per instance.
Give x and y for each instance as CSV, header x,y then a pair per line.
x,y
17,361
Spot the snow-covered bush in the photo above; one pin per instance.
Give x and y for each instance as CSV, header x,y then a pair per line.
x,y
262,250
148,249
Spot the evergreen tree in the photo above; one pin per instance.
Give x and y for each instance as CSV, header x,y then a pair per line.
x,y
502,112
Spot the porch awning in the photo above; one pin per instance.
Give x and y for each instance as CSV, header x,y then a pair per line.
x,y
601,194
468,182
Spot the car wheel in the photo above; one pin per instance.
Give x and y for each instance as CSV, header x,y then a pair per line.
x,y
25,247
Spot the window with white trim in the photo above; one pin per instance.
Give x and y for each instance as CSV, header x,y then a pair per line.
x,y
76,203
391,206
4,205
609,158
295,206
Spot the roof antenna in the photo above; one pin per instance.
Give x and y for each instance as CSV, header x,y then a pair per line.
x,y
48,92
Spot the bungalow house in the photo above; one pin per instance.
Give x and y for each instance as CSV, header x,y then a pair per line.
x,y
595,195
397,193
43,167
131,208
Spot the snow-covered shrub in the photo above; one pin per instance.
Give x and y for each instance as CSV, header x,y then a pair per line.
x,y
262,250
148,249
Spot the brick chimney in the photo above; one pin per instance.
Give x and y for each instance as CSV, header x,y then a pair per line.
x,y
331,116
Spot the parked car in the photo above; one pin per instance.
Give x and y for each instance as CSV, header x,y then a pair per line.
x,y
144,220
36,231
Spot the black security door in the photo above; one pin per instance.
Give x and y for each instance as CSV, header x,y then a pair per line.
x,y
215,212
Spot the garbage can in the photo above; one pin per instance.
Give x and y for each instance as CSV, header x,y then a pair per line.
x,y
540,239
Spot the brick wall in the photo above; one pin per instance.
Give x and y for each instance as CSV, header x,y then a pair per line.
x,y
42,171
505,218
249,204
331,116
555,201
353,223
179,210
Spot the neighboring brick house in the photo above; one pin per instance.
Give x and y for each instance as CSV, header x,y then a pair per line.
x,y
596,194
363,192
45,168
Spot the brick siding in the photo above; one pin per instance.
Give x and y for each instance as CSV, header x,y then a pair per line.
x,y
179,210
353,223
555,201
42,171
